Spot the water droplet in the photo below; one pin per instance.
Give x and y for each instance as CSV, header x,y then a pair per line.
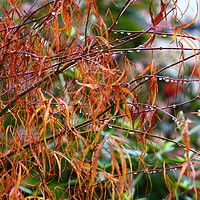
x,y
122,32
130,51
53,13
135,173
146,78
121,52
128,84
154,172
171,80
164,35
160,79
80,111
175,81
138,50
174,106
115,32
175,169
116,22
114,119
109,126
166,80
128,33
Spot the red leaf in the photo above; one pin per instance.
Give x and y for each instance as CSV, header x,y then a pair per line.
x,y
160,15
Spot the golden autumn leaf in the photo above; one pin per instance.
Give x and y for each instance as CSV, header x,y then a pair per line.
x,y
153,82
183,26
186,138
146,69
71,15
91,86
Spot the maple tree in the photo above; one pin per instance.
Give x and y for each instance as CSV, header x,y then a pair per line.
x,y
87,109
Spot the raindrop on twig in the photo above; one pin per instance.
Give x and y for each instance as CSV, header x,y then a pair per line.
x,y
109,126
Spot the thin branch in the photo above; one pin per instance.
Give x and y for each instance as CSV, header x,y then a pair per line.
x,y
125,6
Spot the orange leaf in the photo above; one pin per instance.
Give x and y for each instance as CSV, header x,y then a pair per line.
x,y
175,34
146,69
128,92
151,13
15,194
183,26
188,24
181,173
91,86
71,15
153,83
185,134
160,15
67,15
